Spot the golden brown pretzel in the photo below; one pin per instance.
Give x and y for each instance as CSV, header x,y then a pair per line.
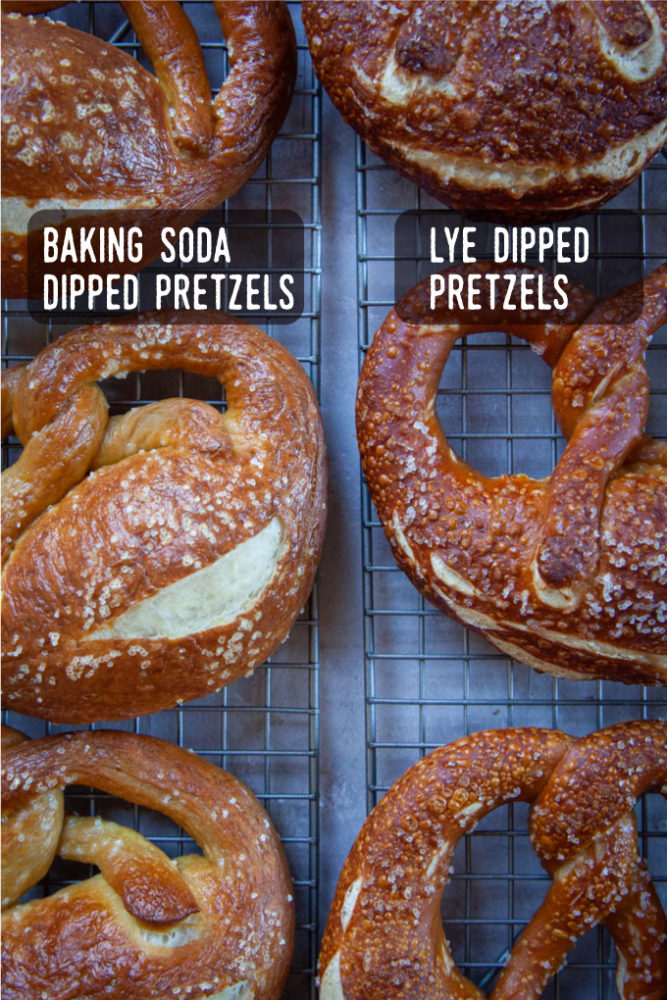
x,y
85,126
218,926
182,560
384,939
508,110
566,574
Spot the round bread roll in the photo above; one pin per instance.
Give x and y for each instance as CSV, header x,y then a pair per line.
x,y
566,574
84,126
157,556
384,938
218,926
521,111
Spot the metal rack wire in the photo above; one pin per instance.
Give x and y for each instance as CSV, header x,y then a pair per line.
x,y
265,728
429,680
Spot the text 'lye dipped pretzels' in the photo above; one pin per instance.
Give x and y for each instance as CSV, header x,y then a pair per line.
x,y
155,557
218,926
567,574
86,127
384,938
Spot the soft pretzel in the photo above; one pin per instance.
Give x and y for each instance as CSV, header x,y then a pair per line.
x,y
565,574
384,939
84,126
218,926
182,559
507,110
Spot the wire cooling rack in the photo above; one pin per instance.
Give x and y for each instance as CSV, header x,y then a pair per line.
x,y
265,728
429,680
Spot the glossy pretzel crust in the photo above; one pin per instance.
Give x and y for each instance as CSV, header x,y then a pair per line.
x,y
522,111
566,574
145,928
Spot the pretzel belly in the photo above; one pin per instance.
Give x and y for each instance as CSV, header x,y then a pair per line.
x,y
469,543
111,89
124,536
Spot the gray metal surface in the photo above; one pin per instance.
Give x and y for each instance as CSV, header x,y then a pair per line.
x,y
371,676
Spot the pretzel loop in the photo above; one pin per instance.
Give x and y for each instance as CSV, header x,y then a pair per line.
x,y
384,937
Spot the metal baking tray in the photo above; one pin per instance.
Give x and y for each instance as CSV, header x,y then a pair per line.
x,y
371,677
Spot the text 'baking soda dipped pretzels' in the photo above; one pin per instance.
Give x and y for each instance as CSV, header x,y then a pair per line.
x,y
218,925
384,938
84,126
157,556
565,574
528,110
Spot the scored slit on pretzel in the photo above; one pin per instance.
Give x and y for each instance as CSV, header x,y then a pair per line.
x,y
565,574
384,938
215,925
156,556
86,127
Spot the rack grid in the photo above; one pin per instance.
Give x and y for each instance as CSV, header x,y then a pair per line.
x,y
429,680
265,728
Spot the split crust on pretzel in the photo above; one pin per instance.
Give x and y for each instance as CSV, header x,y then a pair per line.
x,y
181,561
384,939
568,574
218,925
518,111
84,126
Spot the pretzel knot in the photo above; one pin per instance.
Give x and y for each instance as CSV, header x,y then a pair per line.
x,y
384,939
156,556
567,574
218,925
84,126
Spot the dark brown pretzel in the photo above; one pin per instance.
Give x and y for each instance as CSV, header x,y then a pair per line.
x,y
179,544
512,111
384,939
85,126
220,925
567,575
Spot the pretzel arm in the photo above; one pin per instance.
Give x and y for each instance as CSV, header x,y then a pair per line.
x,y
30,835
142,875
169,40
167,423
569,548
262,56
639,928
53,460
582,895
